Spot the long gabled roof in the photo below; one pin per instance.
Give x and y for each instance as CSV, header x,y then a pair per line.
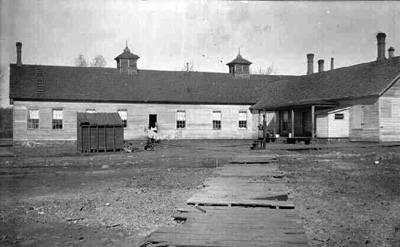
x,y
362,80
61,83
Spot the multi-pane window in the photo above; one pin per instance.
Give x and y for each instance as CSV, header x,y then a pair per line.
x,y
180,119
217,116
90,111
33,119
242,119
124,116
57,122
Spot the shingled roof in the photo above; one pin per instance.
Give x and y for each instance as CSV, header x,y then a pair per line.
x,y
362,80
239,60
61,83
127,54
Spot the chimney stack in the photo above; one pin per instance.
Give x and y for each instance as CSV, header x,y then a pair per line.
x,y
310,64
391,52
321,65
380,37
19,53
332,63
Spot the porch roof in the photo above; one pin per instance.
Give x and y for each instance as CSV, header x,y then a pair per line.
x,y
362,80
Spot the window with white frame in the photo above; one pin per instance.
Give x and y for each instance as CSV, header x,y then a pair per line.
x,y
90,110
33,119
123,113
57,122
217,117
242,119
181,119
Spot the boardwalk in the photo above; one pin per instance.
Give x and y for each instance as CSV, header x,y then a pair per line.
x,y
244,205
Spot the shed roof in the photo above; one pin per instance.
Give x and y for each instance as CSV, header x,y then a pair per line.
x,y
100,119
362,80
89,84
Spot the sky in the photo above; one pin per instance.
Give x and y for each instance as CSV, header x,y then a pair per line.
x,y
167,34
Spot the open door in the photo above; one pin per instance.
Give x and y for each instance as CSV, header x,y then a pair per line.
x,y
152,120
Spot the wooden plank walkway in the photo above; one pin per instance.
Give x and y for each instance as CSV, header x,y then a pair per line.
x,y
245,205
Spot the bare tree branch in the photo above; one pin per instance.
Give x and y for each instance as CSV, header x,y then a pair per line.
x,y
80,61
98,61
261,71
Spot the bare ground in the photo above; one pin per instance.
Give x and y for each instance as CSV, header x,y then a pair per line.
x,y
342,195
347,196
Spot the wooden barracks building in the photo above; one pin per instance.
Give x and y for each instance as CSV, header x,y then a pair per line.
x,y
359,103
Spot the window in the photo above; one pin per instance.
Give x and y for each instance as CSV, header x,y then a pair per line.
x,y
90,111
181,119
33,119
339,116
57,119
242,119
386,108
123,113
217,120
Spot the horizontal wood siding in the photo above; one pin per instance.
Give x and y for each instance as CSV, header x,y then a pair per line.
x,y
198,120
368,129
390,114
338,127
322,126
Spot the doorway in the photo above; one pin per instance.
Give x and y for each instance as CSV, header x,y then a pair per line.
x,y
152,120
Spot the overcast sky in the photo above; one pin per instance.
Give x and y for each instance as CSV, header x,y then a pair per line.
x,y
168,34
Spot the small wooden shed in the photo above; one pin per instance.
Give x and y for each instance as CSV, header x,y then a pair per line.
x,y
99,132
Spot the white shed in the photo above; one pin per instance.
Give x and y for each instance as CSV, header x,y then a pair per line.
x,y
333,123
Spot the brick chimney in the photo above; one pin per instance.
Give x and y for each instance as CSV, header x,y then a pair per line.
x,y
321,65
380,37
310,64
19,53
391,52
332,63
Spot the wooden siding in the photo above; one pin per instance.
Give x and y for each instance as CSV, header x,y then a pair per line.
x,y
322,126
364,127
198,120
338,128
390,114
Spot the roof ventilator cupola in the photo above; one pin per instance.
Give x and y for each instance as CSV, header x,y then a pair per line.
x,y
239,67
127,62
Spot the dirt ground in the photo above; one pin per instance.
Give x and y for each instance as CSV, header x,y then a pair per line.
x,y
347,195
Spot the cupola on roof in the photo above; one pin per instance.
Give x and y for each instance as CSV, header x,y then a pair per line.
x,y
127,54
239,60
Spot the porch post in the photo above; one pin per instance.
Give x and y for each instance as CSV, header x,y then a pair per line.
x,y
312,121
275,121
264,129
292,122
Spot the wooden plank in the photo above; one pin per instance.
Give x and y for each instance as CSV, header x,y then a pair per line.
x,y
240,202
237,226
228,240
